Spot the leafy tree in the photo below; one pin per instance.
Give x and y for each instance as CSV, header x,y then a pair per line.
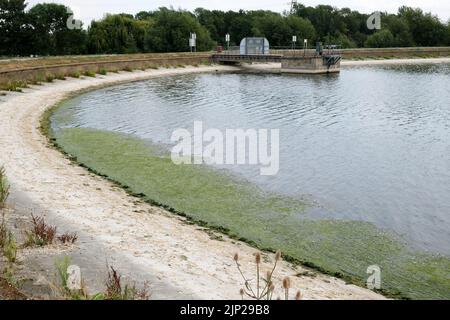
x,y
399,28
448,33
15,32
171,30
214,22
51,35
272,26
355,25
380,39
327,20
341,39
239,25
426,29
119,33
302,28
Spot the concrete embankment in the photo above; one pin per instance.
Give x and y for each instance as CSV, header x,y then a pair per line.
x,y
396,52
16,73
373,53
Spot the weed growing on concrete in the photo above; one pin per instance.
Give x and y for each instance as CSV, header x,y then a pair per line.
x,y
10,247
49,78
4,188
75,75
115,290
68,238
41,234
89,74
264,287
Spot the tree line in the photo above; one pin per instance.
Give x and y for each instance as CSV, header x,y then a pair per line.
x,y
42,29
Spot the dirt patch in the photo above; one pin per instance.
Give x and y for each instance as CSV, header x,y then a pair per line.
x,y
8,292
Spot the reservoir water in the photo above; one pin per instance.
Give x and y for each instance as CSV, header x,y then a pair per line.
x,y
371,144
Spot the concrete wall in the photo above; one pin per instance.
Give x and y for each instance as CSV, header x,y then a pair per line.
x,y
40,73
307,65
379,52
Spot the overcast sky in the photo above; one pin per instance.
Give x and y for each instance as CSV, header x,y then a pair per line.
x,y
87,10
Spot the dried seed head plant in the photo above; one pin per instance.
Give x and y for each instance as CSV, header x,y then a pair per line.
x,y
264,287
258,258
286,287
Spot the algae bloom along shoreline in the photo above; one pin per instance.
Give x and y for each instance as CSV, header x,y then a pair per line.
x,y
308,210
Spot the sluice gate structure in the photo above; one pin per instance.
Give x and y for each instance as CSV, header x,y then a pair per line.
x,y
323,60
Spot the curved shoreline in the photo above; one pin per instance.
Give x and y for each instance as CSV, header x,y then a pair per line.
x,y
156,244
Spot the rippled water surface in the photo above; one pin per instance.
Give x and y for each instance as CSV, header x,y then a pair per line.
x,y
371,144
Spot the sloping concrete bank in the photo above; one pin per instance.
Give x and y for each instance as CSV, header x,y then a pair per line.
x,y
39,70
413,52
396,52
180,260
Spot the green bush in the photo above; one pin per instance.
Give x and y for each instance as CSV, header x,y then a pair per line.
x,y
4,188
10,247
89,74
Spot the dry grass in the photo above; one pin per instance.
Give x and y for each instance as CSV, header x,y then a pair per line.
x,y
16,86
115,290
68,238
41,234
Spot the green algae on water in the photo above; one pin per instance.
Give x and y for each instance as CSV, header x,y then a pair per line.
x,y
342,248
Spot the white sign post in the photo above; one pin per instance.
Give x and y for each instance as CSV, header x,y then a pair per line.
x,y
294,40
193,42
227,40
